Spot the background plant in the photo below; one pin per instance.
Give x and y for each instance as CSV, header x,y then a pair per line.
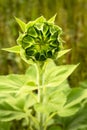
x,y
40,98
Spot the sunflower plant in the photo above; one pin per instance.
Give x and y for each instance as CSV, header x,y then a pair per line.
x,y
33,100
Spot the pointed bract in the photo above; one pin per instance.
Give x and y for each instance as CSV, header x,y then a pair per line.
x,y
14,49
61,53
51,20
40,19
21,24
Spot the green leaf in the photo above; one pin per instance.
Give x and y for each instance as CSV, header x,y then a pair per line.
x,y
64,112
16,106
21,24
64,87
56,75
54,127
33,73
53,103
32,79
11,83
51,20
24,101
5,125
57,98
9,112
18,83
15,83
73,102
78,121
14,49
15,103
76,96
83,84
61,53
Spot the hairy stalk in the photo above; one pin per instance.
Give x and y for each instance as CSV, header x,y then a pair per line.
x,y
40,97
49,118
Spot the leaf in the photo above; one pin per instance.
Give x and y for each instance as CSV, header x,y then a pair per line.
x,y
57,98
9,112
5,125
14,49
78,121
56,75
64,112
21,24
31,100
16,107
16,95
53,103
54,127
33,73
83,84
11,83
73,102
61,53
64,87
51,20
15,83
76,96
25,100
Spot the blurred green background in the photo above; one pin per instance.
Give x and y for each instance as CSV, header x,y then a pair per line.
x,y
71,17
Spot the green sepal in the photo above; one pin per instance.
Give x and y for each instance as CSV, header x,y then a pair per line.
x,y
63,52
21,24
14,49
51,20
40,20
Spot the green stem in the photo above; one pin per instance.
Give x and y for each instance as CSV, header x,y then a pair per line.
x,y
50,117
40,97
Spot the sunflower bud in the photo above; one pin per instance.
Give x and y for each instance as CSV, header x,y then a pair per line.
x,y
40,39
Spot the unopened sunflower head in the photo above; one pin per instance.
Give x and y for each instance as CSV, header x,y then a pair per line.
x,y
40,39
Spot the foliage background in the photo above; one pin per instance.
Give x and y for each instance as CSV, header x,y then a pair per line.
x,y
71,17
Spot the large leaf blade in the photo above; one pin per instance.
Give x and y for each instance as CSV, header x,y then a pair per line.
x,y
78,121
11,83
76,96
16,107
15,83
54,102
8,112
57,75
73,102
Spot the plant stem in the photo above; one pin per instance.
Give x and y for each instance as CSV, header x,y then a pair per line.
x,y
40,97
52,115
